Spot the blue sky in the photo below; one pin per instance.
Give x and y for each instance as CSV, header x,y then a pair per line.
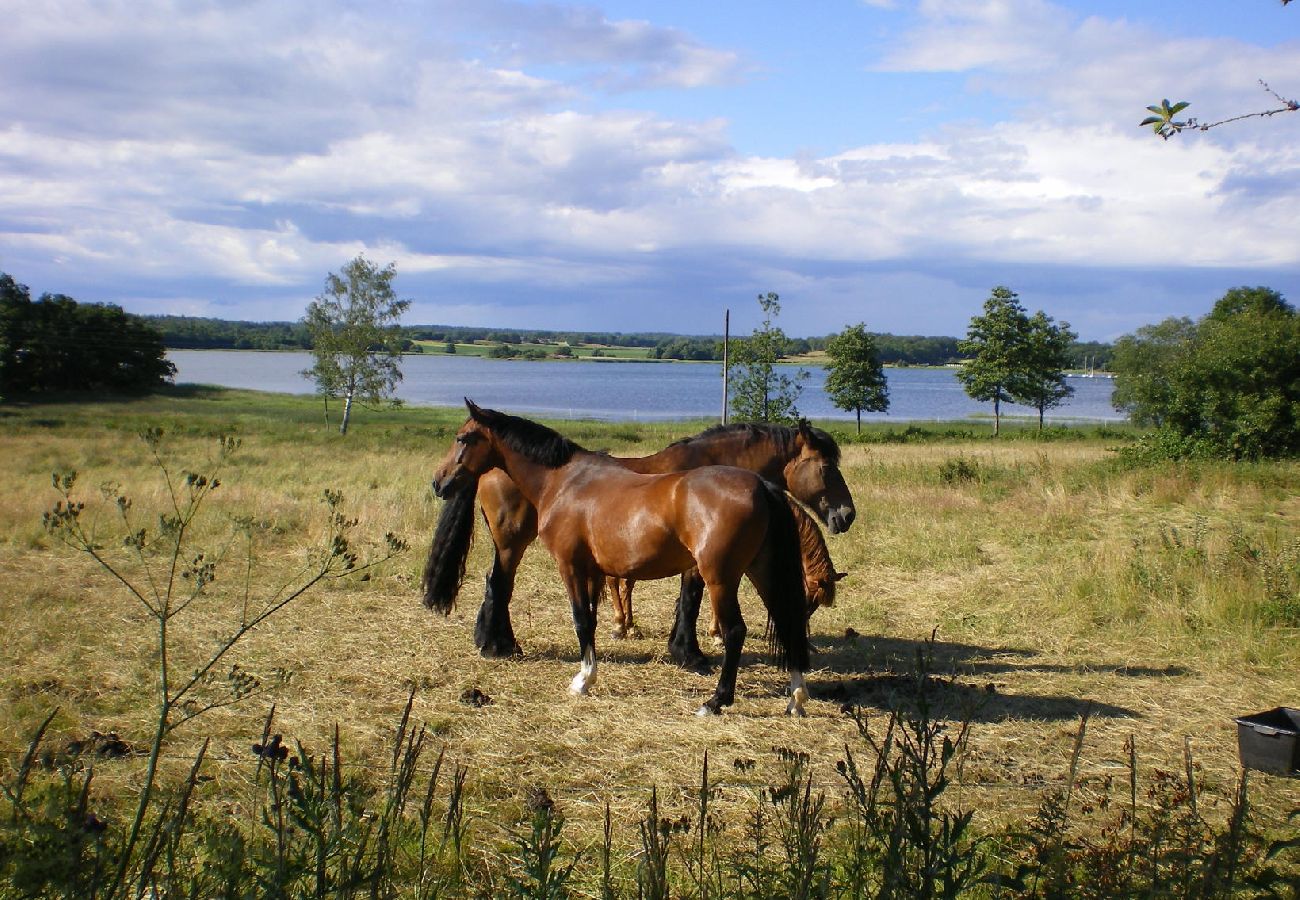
x,y
635,165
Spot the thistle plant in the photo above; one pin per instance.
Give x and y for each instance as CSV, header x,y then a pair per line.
x,y
162,568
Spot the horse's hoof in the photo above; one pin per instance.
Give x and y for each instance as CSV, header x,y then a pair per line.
x,y
706,710
618,633
581,684
634,633
700,666
500,651
795,706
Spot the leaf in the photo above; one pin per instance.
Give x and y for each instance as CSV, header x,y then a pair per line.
x,y
1150,120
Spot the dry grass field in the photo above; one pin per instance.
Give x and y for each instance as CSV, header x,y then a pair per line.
x,y
1054,580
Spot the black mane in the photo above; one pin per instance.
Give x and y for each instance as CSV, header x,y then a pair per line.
x,y
533,440
783,436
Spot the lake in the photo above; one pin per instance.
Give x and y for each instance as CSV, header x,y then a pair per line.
x,y
620,391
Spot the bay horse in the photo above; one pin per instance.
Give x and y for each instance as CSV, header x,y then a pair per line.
x,y
819,577
598,518
802,460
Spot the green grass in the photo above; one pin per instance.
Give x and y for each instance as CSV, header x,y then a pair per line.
x,y
1060,577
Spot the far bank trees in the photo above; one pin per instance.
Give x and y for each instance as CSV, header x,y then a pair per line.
x,y
56,344
356,338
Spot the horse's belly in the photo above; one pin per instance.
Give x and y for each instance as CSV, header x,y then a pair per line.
x,y
641,553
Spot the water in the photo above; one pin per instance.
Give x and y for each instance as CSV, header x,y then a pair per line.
x,y
620,391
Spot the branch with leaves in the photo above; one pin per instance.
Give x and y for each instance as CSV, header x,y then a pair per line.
x,y
1164,123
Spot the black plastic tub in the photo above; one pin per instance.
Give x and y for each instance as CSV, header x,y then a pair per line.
x,y
1270,741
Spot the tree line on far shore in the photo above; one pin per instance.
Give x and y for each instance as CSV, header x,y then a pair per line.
x,y
1226,385
197,333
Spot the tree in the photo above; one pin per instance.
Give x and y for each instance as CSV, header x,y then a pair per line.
x,y
855,379
1227,385
1042,384
760,394
996,352
355,336
58,344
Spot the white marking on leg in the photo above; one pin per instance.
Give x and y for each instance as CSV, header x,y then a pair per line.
x,y
586,677
704,710
798,695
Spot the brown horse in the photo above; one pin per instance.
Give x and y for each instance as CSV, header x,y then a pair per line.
x,y
802,460
597,518
819,577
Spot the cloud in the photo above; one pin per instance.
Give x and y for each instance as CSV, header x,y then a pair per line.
x,y
160,149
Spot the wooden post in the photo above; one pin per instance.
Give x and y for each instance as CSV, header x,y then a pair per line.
x,y
726,339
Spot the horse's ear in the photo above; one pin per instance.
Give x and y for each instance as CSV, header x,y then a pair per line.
x,y
839,576
475,411
805,430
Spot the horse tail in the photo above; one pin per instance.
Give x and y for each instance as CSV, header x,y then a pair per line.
x,y
445,569
786,598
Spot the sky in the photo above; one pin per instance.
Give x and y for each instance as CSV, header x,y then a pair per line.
x,y
646,165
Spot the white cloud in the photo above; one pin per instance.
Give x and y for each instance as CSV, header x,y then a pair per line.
x,y
259,148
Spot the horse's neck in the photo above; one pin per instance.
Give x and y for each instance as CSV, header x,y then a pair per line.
x,y
726,451
531,477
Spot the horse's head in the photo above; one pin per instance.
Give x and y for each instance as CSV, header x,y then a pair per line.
x,y
472,453
821,590
813,476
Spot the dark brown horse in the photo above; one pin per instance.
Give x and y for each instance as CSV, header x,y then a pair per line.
x,y
802,460
819,577
597,518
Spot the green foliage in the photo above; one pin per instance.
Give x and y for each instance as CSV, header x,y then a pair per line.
x,y
317,830
1163,122
1227,385
1042,383
906,842
758,392
996,350
58,344
855,380
687,348
356,340
536,872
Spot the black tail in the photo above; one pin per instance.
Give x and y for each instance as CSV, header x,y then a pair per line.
x,y
785,598
445,569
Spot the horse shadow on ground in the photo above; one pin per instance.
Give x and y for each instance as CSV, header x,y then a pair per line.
x,y
959,681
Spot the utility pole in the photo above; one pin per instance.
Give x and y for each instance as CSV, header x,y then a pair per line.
x,y
726,370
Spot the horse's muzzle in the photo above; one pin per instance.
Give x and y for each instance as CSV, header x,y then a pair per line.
x,y
840,519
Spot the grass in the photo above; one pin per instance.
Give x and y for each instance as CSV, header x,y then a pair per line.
x,y
1055,578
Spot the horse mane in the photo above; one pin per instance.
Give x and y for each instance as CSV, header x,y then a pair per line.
x,y
542,445
444,571
783,436
812,543
816,556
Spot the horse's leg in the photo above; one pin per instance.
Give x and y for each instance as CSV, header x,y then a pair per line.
x,y
584,594
512,520
620,591
683,645
726,609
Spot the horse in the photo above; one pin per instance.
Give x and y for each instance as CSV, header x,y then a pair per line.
x,y
802,460
598,518
819,577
